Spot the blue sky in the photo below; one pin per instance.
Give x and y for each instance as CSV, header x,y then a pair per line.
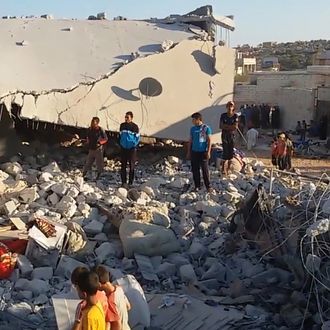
x,y
256,20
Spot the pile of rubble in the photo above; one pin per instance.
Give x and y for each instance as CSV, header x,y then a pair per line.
x,y
259,260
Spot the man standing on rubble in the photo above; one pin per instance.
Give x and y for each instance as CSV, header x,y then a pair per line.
x,y
129,140
199,150
96,139
228,125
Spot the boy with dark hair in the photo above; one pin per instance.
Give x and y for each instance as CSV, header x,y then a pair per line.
x,y
90,312
199,150
96,139
100,296
117,301
129,140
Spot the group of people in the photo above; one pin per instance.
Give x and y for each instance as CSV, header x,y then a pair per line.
x,y
282,151
103,305
129,138
314,129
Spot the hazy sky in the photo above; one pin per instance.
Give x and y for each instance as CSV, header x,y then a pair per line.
x,y
256,20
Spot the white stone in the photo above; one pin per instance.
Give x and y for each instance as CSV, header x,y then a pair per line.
x,y
10,207
59,188
122,193
46,185
209,208
45,177
94,227
149,191
3,176
187,274
147,239
79,182
179,183
84,208
232,188
12,168
42,273
113,200
67,207
28,195
72,192
52,168
173,160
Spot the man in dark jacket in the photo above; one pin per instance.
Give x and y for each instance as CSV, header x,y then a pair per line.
x,y
96,139
129,141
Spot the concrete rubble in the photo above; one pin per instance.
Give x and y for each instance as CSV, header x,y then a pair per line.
x,y
237,256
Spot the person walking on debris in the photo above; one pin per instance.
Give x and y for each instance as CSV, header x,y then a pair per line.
x,y
228,124
199,150
96,139
303,131
129,141
289,152
280,152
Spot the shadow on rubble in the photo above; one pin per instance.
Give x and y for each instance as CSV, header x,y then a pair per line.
x,y
205,62
152,48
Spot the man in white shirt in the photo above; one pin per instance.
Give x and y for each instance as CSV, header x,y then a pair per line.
x,y
252,136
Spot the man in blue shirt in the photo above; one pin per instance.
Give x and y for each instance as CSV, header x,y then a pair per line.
x,y
129,141
199,150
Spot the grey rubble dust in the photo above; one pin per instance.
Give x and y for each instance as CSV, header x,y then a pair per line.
x,y
194,251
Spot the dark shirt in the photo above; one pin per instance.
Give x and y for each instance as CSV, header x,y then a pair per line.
x,y
129,127
225,119
96,137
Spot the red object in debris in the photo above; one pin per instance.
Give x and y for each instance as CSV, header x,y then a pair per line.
x,y
17,245
7,261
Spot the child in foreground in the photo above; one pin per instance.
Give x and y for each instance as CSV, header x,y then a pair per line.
x,y
117,301
90,314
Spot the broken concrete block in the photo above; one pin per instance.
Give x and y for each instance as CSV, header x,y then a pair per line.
x,y
45,177
158,218
84,208
67,207
28,195
53,199
52,168
179,183
38,287
21,284
326,207
72,192
94,227
59,189
149,191
215,271
104,251
146,239
146,268
187,274
173,160
10,207
40,300
209,208
42,273
25,295
113,200
66,266
166,270
18,223
12,168
24,265
197,250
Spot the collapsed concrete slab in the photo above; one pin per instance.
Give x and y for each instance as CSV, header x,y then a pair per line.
x,y
194,74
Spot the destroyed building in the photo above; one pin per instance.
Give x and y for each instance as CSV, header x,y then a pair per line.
x,y
63,72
